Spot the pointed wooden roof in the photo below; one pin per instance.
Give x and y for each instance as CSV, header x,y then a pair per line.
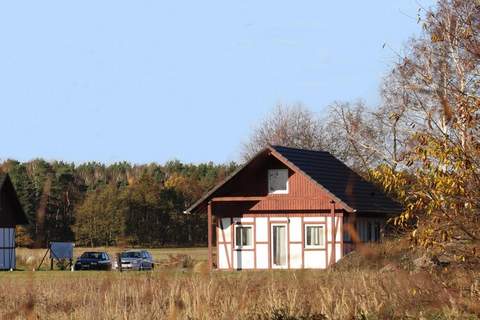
x,y
7,189
344,185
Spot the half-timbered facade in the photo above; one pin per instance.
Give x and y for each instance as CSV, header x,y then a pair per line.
x,y
11,214
290,209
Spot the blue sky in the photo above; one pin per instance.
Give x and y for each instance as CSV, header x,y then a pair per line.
x,y
149,81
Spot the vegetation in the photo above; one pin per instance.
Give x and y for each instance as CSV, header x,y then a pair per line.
x,y
293,126
379,283
421,145
98,205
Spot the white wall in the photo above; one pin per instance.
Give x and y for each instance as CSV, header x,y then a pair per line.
x,y
295,229
295,256
315,259
261,229
243,259
224,251
262,256
259,259
224,230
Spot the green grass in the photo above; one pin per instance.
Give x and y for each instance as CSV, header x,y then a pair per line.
x,y
29,259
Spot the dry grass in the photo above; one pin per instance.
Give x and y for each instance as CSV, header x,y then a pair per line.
x,y
29,259
357,292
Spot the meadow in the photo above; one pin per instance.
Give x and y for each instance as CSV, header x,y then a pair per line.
x,y
377,285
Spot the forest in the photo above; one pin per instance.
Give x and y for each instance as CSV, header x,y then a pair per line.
x,y
120,204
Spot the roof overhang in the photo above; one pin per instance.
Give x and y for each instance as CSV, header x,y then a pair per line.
x,y
269,150
201,202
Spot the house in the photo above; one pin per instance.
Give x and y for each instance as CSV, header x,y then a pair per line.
x,y
11,215
292,208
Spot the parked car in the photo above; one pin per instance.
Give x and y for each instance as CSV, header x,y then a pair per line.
x,y
93,261
136,260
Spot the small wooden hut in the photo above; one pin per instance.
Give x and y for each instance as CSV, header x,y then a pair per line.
x,y
11,215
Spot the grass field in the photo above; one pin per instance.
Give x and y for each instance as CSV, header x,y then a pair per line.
x,y
29,259
356,289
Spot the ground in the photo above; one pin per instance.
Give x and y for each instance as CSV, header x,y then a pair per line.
x,y
28,259
372,284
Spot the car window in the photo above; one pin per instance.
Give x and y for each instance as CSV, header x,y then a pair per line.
x,y
131,254
91,255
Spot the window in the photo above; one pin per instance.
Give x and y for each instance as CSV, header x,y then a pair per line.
x,y
314,236
278,181
243,237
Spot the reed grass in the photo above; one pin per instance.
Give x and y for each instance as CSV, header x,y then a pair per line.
x,y
355,292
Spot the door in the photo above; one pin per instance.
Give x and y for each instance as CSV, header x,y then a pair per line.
x,y
279,246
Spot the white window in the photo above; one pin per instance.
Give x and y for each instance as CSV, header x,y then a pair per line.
x,y
278,181
314,236
243,237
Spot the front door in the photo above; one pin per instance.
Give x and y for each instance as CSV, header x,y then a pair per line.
x,y
279,245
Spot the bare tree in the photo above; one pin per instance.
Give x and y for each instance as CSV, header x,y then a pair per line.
x,y
287,125
358,135
434,93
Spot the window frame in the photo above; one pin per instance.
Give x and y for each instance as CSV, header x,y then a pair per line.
x,y
287,244
269,184
242,247
323,234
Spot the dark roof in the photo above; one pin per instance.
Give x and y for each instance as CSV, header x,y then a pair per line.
x,y
344,183
339,181
3,177
6,186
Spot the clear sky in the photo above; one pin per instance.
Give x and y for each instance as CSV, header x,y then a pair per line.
x,y
150,81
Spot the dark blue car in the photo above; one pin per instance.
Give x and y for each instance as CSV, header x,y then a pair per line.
x,y
94,261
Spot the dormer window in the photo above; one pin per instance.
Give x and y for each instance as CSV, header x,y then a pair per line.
x,y
278,181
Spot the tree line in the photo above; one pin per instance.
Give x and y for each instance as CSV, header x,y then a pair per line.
x,y
120,204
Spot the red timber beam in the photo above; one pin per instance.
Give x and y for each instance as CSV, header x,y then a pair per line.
x,y
210,258
240,199
334,232
227,199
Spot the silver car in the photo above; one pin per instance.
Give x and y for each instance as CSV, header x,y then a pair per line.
x,y
136,260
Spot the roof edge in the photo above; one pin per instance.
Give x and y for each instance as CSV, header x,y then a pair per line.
x,y
294,167
22,219
223,182
283,159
